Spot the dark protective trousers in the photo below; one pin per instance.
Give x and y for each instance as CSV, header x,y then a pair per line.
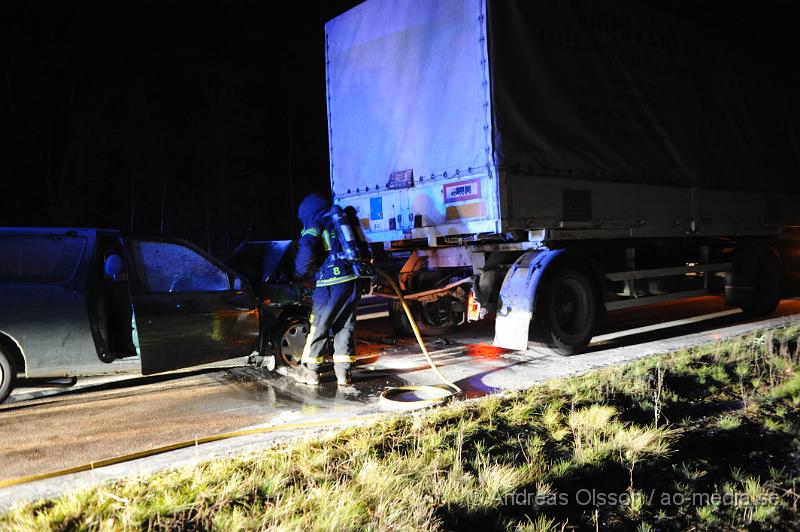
x,y
333,314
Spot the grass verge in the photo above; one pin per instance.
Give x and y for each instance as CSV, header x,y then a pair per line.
x,y
705,438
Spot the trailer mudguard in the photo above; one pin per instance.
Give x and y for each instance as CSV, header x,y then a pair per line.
x,y
517,301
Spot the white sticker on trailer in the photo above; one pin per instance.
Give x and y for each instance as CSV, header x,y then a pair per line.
x,y
462,190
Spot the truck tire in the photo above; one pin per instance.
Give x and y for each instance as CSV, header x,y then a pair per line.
x,y
766,283
566,312
290,338
8,375
397,316
429,321
437,317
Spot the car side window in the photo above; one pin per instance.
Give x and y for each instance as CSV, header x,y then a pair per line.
x,y
44,259
168,267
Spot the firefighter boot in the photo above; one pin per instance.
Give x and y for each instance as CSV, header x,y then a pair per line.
x,y
343,375
304,375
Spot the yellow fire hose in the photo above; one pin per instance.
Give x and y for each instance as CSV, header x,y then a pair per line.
x,y
403,397
408,397
180,445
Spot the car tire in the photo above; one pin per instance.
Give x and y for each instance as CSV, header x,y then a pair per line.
x,y
290,338
8,374
566,312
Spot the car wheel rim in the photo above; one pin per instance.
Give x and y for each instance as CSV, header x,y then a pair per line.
x,y
292,343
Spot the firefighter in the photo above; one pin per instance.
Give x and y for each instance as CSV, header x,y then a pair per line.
x,y
336,294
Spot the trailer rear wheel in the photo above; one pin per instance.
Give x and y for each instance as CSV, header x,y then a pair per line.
x,y
565,313
8,375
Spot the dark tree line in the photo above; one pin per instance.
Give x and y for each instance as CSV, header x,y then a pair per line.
x,y
197,120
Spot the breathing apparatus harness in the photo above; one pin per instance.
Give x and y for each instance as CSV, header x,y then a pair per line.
x,y
351,248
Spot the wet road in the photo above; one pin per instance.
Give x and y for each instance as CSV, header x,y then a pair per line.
x,y
113,417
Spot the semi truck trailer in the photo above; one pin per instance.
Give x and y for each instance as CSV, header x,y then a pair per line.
x,y
547,161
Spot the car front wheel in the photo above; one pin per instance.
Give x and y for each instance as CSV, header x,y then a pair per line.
x,y
8,375
290,340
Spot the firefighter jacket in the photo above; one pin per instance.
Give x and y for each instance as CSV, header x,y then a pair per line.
x,y
319,245
318,251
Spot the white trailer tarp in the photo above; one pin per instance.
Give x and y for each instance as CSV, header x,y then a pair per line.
x,y
408,89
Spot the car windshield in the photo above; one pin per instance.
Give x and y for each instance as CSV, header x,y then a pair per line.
x,y
50,259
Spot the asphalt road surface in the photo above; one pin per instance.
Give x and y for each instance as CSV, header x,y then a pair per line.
x,y
101,418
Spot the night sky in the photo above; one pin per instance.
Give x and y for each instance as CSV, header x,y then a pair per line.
x,y
202,120
187,118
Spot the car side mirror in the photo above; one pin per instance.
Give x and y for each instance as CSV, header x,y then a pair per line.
x,y
113,266
238,285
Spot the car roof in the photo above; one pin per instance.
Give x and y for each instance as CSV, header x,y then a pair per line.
x,y
54,231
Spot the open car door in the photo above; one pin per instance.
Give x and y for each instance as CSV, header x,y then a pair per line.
x,y
188,308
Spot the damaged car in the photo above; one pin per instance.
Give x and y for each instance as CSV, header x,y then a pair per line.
x,y
76,302
268,265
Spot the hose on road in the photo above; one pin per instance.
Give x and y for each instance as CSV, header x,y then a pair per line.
x,y
412,397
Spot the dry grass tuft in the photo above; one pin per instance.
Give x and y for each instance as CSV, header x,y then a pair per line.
x,y
462,465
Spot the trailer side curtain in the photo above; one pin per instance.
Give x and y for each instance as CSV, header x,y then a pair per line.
x,y
681,93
